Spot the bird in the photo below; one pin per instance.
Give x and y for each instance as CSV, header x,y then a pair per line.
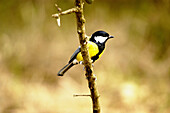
x,y
95,45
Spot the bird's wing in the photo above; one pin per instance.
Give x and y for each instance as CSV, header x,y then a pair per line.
x,y
74,55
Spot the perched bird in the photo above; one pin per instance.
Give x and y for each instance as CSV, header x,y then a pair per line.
x,y
96,46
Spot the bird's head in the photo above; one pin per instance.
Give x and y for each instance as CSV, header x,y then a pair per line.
x,y
100,37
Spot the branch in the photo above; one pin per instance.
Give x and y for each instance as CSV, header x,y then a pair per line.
x,y
86,59
84,50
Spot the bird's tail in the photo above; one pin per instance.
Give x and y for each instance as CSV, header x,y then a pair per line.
x,y
65,68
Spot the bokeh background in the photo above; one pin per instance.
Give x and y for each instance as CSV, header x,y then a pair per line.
x,y
133,75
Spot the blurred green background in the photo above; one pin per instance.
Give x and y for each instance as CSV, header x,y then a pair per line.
x,y
133,73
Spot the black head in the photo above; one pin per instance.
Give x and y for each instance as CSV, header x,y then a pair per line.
x,y
100,37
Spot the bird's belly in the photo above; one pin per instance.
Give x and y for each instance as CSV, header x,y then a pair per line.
x,y
92,52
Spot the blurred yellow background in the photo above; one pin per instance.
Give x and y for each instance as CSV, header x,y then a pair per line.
x,y
133,73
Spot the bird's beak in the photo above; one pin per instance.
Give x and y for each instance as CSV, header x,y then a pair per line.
x,y
111,36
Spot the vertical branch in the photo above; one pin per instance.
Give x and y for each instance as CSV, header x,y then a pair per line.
x,y
86,59
84,50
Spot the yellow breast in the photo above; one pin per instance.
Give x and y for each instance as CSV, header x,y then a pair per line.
x,y
93,50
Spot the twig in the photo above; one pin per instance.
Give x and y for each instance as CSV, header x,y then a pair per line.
x,y
69,11
80,95
57,15
58,8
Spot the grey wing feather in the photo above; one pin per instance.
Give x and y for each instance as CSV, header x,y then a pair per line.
x,y
74,54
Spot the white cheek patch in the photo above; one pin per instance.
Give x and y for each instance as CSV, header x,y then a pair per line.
x,y
100,39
